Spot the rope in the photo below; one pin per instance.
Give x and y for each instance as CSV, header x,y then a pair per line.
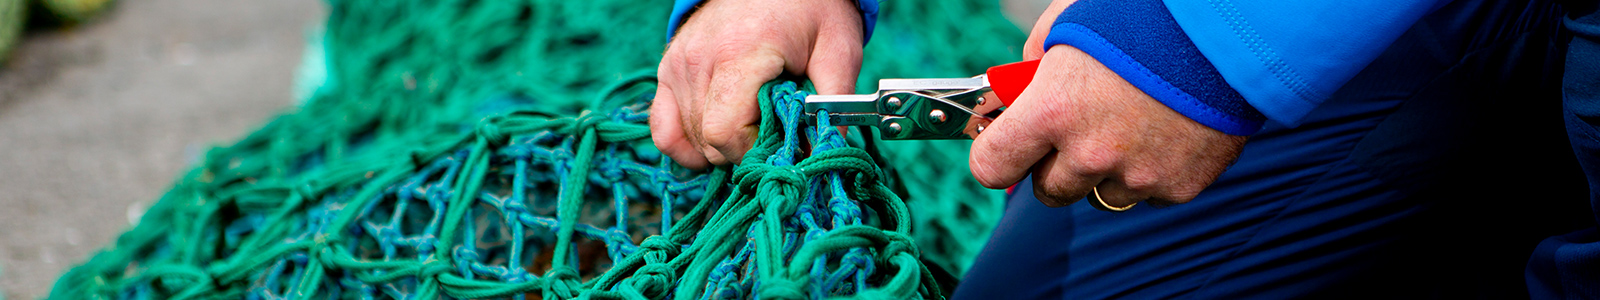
x,y
13,14
492,149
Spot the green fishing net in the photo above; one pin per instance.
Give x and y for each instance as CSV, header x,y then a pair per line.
x,y
13,15
499,149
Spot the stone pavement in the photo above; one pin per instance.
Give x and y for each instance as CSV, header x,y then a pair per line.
x,y
98,119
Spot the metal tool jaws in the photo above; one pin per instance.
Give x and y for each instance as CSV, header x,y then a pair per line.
x,y
914,109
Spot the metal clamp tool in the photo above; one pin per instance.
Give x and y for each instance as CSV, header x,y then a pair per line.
x,y
929,108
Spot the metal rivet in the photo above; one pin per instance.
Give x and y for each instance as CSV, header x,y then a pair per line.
x,y
981,127
980,100
894,128
937,115
894,102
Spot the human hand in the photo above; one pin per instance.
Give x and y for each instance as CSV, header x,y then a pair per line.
x,y
1080,127
705,109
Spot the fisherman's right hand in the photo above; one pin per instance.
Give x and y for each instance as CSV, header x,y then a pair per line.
x,y
705,111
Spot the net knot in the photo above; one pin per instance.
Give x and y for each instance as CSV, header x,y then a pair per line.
x,y
586,120
611,169
784,180
322,250
657,244
432,267
561,283
489,130
780,288
653,279
858,259
466,253
761,175
899,243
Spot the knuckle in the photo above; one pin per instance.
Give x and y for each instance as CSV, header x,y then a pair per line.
x,y
1048,199
1141,182
694,68
1094,159
718,136
1053,191
712,156
1182,193
725,137
731,51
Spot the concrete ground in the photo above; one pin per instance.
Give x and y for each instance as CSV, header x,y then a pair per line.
x,y
97,120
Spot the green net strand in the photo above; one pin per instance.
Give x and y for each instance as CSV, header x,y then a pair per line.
x,y
470,149
479,197
805,233
952,214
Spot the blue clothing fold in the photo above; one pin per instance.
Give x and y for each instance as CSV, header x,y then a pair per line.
x,y
1433,173
1568,266
1286,57
1141,42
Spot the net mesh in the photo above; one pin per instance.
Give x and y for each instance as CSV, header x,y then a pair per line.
x,y
499,149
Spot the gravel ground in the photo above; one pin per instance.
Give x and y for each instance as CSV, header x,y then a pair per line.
x,y
96,120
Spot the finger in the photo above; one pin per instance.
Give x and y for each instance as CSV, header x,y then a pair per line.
x,y
684,73
1115,193
1008,148
1056,183
1034,47
666,130
673,115
732,100
835,60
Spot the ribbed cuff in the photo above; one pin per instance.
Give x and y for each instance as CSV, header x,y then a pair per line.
x,y
1140,41
682,8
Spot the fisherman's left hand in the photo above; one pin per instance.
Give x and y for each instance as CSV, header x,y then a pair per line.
x,y
1079,126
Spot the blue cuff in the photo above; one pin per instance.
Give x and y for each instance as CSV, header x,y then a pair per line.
x,y
682,8
1140,41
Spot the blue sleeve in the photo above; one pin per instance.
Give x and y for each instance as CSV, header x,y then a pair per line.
x,y
1233,64
682,8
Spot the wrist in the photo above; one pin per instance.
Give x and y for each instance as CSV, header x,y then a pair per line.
x,y
1140,41
682,9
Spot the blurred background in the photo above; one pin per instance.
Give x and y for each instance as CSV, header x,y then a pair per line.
x,y
99,116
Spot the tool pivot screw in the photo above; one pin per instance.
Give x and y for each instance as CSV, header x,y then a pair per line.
x,y
894,102
894,128
937,116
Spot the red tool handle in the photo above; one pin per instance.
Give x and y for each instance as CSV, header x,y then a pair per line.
x,y
1008,80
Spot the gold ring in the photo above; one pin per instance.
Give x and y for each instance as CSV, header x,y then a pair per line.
x,y
1100,204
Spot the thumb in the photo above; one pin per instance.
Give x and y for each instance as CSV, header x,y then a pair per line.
x,y
835,59
1034,47
733,113
1016,141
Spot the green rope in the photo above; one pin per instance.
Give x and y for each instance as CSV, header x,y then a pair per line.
x,y
498,149
13,15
